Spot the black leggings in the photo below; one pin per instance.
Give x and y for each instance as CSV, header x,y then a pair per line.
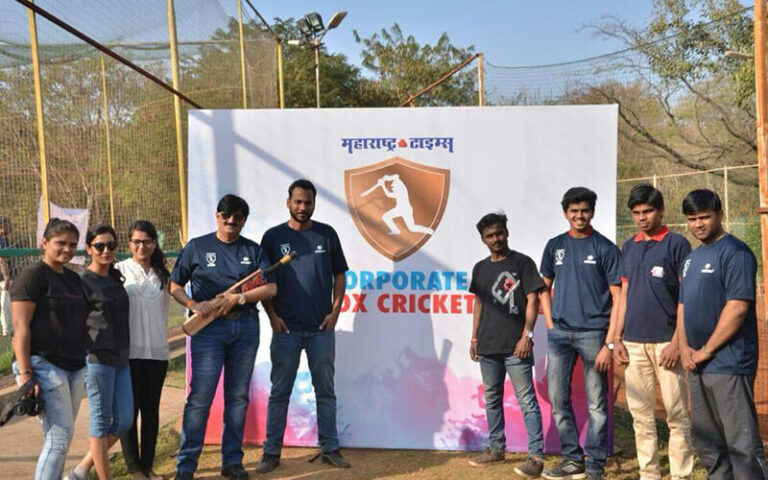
x,y
147,377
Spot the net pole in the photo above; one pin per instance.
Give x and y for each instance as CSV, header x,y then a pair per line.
x,y
39,113
480,81
108,141
761,94
280,88
242,51
177,117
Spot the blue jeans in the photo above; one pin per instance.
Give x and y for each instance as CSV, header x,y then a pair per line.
x,y
231,344
61,392
110,398
321,354
493,369
562,348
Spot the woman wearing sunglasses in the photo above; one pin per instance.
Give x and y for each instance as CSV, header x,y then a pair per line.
x,y
49,310
146,281
108,377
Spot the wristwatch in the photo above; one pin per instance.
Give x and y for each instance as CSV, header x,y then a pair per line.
x,y
241,299
529,334
610,345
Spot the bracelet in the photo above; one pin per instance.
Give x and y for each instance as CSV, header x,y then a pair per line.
x,y
25,372
474,340
190,302
704,350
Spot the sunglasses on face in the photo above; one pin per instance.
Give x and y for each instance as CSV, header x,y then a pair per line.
x,y
142,243
236,216
100,246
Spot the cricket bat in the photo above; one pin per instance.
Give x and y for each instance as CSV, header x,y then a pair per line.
x,y
197,322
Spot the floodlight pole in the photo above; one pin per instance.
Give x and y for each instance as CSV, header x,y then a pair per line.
x,y
316,46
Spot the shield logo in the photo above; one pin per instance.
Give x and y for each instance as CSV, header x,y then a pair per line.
x,y
285,248
397,204
210,259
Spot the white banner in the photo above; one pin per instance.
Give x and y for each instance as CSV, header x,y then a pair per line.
x,y
404,189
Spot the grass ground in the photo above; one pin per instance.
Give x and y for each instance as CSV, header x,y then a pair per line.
x,y
368,464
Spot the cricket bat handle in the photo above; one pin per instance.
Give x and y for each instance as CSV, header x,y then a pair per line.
x,y
197,322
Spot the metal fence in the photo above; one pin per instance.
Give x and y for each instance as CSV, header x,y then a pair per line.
x,y
87,132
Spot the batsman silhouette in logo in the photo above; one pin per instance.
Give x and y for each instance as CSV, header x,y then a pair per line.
x,y
397,204
403,208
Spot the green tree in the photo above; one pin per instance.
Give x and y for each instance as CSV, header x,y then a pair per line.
x,y
341,83
402,66
696,106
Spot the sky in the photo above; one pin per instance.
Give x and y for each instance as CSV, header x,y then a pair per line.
x,y
509,33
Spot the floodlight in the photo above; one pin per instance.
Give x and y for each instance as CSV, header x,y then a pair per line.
x,y
304,27
315,21
336,20
296,42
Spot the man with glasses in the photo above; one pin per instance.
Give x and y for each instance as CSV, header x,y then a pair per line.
x,y
211,264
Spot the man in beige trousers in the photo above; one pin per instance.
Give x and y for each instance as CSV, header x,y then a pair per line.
x,y
646,339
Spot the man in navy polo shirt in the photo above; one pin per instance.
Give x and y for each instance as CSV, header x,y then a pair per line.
x,y
646,338
211,264
585,269
717,329
303,316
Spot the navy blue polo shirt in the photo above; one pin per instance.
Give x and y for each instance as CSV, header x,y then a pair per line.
x,y
650,270
712,275
583,270
212,266
305,286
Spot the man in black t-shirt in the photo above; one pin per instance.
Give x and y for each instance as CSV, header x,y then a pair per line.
x,y
506,286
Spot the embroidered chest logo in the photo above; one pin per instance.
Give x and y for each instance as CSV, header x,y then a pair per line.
x,y
657,272
210,259
685,267
503,290
708,268
590,260
245,261
320,249
285,248
559,256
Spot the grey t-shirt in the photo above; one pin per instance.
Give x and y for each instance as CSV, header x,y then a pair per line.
x,y
108,339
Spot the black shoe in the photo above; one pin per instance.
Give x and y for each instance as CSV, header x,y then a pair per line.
x,y
334,458
235,472
184,476
268,463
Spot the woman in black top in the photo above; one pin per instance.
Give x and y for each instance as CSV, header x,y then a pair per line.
x,y
49,311
110,397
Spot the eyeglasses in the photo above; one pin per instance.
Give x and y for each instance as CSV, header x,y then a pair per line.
x,y
100,246
236,216
142,243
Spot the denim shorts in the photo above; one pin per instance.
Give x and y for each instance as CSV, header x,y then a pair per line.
x,y
110,398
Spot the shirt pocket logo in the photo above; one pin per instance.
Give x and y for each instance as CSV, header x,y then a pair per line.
x,y
590,260
210,259
559,256
657,271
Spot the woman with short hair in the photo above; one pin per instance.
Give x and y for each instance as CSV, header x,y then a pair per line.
x,y
49,317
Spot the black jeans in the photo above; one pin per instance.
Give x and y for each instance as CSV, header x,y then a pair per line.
x,y
147,377
724,426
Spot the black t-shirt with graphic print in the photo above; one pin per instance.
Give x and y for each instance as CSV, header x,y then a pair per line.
x,y
501,287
